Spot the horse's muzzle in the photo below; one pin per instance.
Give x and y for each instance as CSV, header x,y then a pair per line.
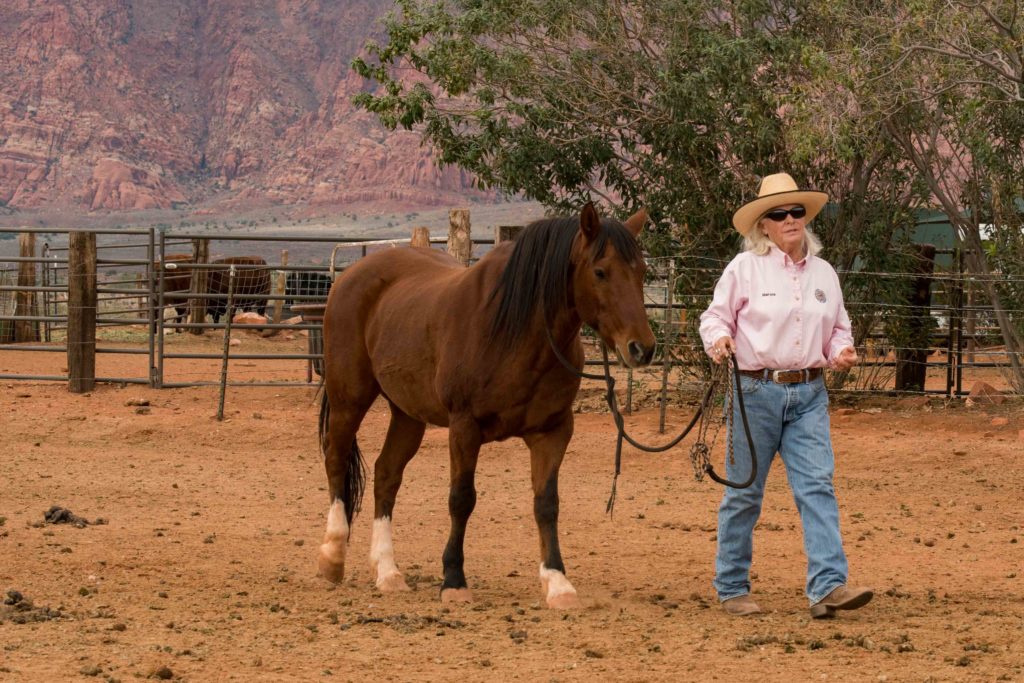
x,y
640,355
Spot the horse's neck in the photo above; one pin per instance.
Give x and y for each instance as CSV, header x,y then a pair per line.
x,y
564,327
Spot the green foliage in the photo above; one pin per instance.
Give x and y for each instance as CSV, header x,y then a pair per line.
x,y
942,84
664,103
679,105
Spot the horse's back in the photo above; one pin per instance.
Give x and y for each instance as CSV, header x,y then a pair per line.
x,y
383,269
382,320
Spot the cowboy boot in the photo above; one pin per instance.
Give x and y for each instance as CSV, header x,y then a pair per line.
x,y
740,606
842,597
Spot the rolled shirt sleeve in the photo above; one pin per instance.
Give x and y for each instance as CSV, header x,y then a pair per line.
x,y
842,332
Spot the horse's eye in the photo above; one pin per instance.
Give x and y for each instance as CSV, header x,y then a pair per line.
x,y
599,273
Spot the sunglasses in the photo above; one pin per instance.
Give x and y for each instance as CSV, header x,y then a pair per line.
x,y
779,215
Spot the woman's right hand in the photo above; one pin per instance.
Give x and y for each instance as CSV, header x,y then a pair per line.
x,y
722,349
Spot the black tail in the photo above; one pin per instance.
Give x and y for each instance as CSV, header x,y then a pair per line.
x,y
355,471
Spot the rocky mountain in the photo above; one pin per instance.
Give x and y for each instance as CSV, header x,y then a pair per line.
x,y
140,104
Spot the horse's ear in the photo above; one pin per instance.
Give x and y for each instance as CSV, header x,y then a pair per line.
x,y
636,222
590,222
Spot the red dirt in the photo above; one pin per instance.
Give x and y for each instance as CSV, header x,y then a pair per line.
x,y
205,569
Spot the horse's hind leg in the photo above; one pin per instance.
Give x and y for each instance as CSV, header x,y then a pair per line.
x,y
546,452
344,465
403,440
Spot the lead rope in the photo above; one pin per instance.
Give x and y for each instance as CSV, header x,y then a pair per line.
x,y
700,451
620,424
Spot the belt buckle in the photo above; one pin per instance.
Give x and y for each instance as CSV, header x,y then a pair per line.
x,y
792,376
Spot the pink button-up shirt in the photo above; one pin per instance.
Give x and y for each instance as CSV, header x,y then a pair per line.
x,y
783,315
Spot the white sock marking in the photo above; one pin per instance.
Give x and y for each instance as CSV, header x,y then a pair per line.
x,y
555,581
337,524
382,550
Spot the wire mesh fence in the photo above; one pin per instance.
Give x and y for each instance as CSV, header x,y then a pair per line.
x,y
953,337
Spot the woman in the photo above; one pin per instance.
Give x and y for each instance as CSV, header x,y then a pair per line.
x,y
778,309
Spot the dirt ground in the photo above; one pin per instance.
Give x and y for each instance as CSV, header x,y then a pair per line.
x,y
203,567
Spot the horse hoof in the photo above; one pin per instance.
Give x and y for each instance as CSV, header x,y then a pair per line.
x,y
456,595
564,601
392,583
332,571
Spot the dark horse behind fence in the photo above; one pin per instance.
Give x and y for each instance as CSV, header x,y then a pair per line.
x,y
467,349
252,285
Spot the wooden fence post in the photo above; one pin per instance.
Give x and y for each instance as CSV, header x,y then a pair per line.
x,y
197,307
25,300
460,243
504,233
81,312
420,237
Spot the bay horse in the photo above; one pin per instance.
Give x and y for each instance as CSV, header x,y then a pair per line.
x,y
468,349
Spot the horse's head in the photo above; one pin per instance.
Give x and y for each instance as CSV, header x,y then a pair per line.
x,y
608,284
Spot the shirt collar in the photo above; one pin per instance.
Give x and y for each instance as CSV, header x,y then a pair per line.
x,y
782,258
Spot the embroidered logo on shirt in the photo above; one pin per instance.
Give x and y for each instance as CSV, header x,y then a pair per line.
x,y
820,295
767,293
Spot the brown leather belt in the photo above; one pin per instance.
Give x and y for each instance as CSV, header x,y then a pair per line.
x,y
784,376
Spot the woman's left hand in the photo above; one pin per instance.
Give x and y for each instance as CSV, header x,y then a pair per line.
x,y
846,359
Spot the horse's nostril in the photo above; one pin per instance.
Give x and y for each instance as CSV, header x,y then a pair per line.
x,y
640,353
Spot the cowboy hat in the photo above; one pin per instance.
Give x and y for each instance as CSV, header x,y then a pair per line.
x,y
777,190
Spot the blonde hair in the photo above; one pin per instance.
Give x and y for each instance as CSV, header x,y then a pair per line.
x,y
758,242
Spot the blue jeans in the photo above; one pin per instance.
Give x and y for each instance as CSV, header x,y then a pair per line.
x,y
791,419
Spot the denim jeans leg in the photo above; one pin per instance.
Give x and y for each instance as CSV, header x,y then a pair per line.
x,y
740,508
806,452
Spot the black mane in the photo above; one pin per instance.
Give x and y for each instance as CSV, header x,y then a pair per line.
x,y
539,269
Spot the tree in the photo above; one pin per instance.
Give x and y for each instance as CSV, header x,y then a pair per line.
x,y
672,104
677,105
942,80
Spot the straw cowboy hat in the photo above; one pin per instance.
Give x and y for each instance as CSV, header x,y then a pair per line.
x,y
777,190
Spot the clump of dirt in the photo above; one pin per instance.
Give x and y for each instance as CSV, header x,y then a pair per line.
x,y
408,624
59,515
18,609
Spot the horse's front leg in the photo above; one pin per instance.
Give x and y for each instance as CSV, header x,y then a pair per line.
x,y
464,448
546,452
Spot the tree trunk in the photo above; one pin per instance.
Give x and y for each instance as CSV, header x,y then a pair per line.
x,y
911,364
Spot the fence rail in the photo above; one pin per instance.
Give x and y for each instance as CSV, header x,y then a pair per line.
x,y
140,286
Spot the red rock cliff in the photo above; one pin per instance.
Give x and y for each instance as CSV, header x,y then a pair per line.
x,y
134,104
